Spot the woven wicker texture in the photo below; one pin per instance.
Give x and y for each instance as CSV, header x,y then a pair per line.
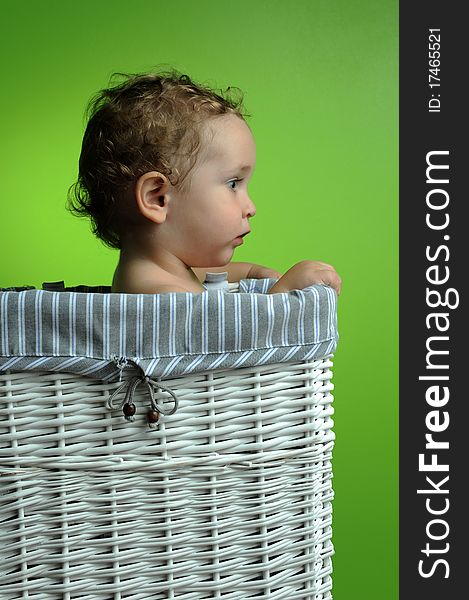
x,y
230,497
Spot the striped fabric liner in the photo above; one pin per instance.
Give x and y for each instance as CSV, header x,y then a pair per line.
x,y
166,335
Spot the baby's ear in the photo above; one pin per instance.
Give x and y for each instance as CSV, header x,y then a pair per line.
x,y
151,196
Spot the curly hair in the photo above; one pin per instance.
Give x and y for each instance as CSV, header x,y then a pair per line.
x,y
146,122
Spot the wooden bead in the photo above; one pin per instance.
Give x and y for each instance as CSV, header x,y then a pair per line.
x,y
129,410
153,416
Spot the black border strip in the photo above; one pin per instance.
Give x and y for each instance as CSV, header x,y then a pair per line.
x,y
433,272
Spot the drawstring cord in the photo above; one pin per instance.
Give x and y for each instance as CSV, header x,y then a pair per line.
x,y
127,405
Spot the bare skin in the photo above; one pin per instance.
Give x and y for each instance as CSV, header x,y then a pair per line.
x,y
143,276
182,232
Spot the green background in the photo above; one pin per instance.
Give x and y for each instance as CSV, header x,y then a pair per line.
x,y
321,83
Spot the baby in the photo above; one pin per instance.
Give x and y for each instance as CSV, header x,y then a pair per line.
x,y
163,174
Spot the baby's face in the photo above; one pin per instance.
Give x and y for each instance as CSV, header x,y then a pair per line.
x,y
210,217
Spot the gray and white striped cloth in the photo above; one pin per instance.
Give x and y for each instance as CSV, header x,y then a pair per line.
x,y
166,335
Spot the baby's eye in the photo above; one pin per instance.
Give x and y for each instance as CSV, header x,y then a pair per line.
x,y
233,183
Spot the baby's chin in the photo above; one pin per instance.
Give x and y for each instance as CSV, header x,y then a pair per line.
x,y
215,259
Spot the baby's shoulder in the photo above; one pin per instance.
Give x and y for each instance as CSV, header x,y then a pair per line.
x,y
138,278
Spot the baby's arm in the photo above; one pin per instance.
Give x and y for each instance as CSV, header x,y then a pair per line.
x,y
301,275
306,273
238,270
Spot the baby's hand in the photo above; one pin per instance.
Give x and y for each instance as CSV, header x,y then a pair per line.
x,y
306,273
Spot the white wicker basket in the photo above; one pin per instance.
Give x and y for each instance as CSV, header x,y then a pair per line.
x,y
230,497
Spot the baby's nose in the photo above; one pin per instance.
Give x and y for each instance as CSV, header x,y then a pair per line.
x,y
250,208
